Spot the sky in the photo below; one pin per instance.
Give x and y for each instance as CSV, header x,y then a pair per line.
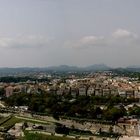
x,y
42,33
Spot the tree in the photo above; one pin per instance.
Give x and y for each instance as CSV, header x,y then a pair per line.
x,y
2,92
113,114
134,111
62,129
111,129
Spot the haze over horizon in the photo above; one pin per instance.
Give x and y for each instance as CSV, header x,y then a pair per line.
x,y
42,33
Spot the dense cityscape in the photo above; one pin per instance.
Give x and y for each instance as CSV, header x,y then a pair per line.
x,y
68,105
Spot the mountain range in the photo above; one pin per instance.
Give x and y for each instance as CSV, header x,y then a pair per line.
x,y
66,68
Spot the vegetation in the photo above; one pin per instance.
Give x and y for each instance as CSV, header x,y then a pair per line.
x,y
9,123
2,92
37,136
28,119
107,134
4,119
130,72
10,79
135,110
36,102
82,107
62,129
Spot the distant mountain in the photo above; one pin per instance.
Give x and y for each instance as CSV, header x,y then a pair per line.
x,y
129,69
96,67
133,69
133,66
65,68
99,67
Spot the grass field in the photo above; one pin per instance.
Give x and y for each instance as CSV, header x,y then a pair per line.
x,y
36,136
9,123
4,119
27,119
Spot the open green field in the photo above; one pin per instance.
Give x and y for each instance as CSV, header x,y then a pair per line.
x,y
4,119
9,123
36,136
37,121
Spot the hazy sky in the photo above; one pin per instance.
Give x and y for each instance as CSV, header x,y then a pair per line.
x,y
72,32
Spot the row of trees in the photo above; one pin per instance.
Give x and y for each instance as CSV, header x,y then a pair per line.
x,y
82,107
13,79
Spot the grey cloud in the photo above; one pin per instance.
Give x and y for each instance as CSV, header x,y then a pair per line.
x,y
120,37
121,33
86,42
24,42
